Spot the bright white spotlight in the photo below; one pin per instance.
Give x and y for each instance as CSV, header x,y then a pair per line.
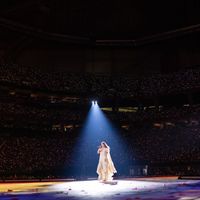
x,y
94,102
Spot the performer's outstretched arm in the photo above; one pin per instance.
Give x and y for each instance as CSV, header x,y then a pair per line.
x,y
99,150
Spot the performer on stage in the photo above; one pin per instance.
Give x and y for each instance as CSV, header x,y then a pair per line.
x,y
105,168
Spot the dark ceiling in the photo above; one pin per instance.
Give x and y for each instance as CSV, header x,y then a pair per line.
x,y
103,19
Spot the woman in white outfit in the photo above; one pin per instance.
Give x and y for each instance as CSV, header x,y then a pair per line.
x,y
105,168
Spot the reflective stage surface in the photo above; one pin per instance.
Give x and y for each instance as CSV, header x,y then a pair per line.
x,y
127,189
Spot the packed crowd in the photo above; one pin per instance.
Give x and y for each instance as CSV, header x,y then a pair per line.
x,y
156,114
165,139
170,144
171,147
25,155
19,115
101,85
38,113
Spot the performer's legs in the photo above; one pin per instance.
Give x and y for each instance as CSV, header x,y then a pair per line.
x,y
105,172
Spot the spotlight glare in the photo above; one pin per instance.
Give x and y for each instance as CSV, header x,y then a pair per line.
x,y
94,102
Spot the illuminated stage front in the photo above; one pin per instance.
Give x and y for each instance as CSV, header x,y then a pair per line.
x,y
129,189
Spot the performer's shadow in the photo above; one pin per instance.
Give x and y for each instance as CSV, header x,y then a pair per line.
x,y
110,182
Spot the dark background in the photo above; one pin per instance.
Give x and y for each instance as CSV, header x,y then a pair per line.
x,y
114,37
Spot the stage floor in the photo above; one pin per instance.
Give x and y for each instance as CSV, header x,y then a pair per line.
x,y
127,189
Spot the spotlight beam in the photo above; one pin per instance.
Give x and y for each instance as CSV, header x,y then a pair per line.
x,y
97,128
